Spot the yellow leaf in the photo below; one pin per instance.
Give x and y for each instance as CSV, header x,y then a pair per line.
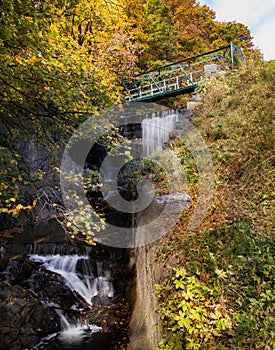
x,y
18,59
33,59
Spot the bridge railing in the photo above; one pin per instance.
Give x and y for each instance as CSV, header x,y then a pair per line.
x,y
179,77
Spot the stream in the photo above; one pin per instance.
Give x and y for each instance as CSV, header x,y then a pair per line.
x,y
84,286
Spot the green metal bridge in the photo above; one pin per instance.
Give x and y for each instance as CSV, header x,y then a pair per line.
x,y
181,77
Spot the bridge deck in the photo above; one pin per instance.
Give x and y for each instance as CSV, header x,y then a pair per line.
x,y
180,77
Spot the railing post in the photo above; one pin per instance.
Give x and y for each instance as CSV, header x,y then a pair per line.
x,y
232,53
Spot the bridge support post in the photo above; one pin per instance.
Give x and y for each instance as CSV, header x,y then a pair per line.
x,y
232,54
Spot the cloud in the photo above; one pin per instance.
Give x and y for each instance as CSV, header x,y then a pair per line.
x,y
263,39
257,15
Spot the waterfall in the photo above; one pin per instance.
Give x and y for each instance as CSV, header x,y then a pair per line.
x,y
54,249
83,283
76,333
70,285
156,131
72,332
78,275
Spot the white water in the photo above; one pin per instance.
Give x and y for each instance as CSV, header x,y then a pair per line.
x,y
86,285
75,333
70,333
156,131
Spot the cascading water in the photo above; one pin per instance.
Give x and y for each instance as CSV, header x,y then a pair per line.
x,y
79,278
156,131
71,334
146,136
84,284
66,267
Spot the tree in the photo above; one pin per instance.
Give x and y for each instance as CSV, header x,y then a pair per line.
x,y
159,37
176,30
60,63
238,33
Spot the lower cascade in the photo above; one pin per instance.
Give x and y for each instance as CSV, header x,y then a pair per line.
x,y
72,296
86,285
70,335
78,276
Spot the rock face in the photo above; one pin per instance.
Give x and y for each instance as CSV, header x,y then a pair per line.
x,y
145,325
35,158
23,319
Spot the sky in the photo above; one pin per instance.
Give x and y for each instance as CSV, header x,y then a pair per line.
x,y
257,15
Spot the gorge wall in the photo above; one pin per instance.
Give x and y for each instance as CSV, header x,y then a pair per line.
x,y
145,325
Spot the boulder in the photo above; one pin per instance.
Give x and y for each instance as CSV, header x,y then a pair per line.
x,y
23,319
176,197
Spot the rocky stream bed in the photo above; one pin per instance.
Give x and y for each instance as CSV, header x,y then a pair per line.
x,y
56,294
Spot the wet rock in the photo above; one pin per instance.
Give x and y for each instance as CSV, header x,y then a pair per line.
x,y
23,319
26,322
28,336
185,113
47,285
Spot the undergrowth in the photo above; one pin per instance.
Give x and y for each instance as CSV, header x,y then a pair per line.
x,y
223,297
237,120
219,293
